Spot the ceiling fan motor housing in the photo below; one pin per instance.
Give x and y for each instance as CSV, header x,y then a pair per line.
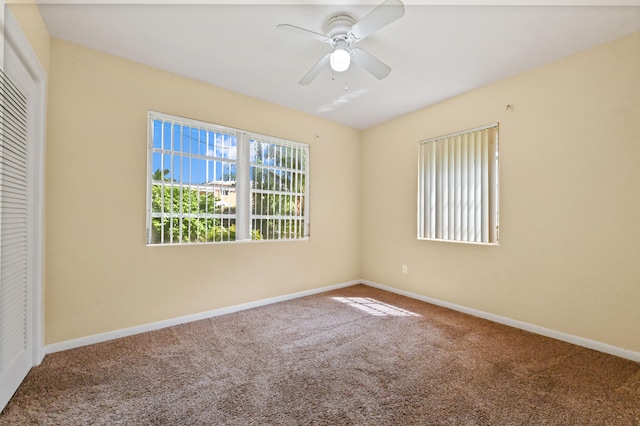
x,y
338,25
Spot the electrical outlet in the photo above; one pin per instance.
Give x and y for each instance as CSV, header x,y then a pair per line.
x,y
405,269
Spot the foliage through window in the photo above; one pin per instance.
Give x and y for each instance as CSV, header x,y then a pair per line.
x,y
458,187
209,184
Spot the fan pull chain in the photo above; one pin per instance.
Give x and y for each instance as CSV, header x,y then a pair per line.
x,y
346,80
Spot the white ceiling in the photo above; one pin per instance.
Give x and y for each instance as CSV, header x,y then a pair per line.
x,y
436,51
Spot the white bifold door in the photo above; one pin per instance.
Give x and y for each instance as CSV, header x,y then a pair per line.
x,y
19,259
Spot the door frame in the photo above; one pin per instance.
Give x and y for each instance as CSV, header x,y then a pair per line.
x,y
14,36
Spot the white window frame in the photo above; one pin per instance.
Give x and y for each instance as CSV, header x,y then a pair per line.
x,y
245,191
458,187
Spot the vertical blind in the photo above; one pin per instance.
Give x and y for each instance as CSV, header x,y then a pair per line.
x,y
458,186
13,223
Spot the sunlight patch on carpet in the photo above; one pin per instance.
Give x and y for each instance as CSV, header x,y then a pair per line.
x,y
375,307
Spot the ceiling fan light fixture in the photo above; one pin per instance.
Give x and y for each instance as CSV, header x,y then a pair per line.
x,y
341,30
340,60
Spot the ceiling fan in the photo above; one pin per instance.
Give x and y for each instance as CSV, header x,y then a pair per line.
x,y
342,31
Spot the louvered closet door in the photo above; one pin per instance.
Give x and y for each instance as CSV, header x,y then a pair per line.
x,y
16,353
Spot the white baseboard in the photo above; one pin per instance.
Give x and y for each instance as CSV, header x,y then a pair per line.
x,y
115,334
130,331
576,340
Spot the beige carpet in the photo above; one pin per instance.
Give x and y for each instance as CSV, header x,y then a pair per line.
x,y
355,356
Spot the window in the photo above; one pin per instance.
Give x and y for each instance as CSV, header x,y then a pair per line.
x,y
210,184
458,187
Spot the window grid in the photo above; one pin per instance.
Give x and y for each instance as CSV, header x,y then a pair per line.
x,y
210,184
278,188
189,163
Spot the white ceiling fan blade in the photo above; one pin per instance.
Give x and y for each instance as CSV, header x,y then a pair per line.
x,y
379,17
370,63
313,72
301,31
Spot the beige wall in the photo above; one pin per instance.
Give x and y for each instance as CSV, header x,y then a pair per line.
x,y
100,274
570,150
569,253
28,16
